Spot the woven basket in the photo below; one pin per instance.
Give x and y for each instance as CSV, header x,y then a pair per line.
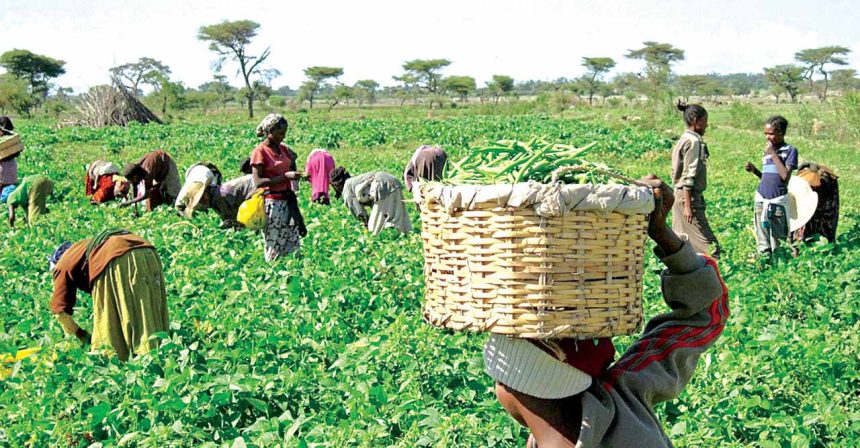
x,y
507,270
10,145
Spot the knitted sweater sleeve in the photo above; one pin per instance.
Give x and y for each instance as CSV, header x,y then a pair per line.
x,y
659,365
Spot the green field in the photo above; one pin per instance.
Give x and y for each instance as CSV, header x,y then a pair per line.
x,y
329,350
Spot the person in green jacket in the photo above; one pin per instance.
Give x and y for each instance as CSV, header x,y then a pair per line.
x,y
31,194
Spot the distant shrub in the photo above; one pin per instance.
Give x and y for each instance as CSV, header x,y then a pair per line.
x,y
744,116
848,116
277,101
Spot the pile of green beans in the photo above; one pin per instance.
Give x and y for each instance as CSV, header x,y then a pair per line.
x,y
510,161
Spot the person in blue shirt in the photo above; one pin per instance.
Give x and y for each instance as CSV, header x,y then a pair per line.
x,y
771,197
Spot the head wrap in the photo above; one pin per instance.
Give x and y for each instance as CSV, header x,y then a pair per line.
x,y
54,258
7,191
270,122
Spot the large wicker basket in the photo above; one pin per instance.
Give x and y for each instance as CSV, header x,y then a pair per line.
x,y
10,145
526,263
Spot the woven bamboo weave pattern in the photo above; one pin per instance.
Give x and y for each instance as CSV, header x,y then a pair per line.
x,y
507,270
10,145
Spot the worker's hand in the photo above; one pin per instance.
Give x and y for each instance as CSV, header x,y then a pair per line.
x,y
11,220
292,175
84,336
770,149
688,212
658,230
749,167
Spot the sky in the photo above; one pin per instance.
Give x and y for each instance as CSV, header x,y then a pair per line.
x,y
370,39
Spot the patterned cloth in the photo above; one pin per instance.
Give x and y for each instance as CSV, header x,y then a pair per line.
x,y
9,171
384,193
268,123
771,185
281,233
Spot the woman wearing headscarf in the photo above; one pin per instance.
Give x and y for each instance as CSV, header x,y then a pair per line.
x,y
273,166
104,183
427,163
8,164
383,193
154,178
123,274
32,195
318,168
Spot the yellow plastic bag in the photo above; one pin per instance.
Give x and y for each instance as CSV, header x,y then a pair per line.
x,y
252,212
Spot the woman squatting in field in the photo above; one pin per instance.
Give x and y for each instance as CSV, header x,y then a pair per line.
x,y
690,179
154,179
273,166
568,392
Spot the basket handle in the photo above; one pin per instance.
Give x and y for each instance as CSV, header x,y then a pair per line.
x,y
568,169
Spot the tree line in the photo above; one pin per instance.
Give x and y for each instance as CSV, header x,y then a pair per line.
x,y
27,84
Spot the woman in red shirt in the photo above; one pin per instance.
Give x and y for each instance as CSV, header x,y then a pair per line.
x,y
273,167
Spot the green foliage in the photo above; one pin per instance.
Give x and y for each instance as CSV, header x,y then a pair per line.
x,y
785,78
745,116
329,350
426,71
596,67
14,94
37,69
460,85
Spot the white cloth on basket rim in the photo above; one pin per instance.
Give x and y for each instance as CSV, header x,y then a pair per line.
x,y
547,199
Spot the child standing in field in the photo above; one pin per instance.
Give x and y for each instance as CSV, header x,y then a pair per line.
x,y
690,179
771,197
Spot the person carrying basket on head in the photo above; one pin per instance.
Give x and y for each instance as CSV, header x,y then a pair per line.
x,y
568,392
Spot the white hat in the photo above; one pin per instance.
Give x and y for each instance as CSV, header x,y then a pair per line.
x,y
802,202
523,367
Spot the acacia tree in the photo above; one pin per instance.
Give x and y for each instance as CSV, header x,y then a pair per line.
x,y
845,79
426,71
36,69
365,91
658,59
461,85
596,68
814,60
135,73
231,39
691,85
408,88
501,85
317,77
785,78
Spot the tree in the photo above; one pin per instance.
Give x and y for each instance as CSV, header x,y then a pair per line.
x,y
596,68
408,89
36,69
317,77
658,59
426,71
135,73
365,91
231,39
815,59
691,85
501,85
15,94
461,85
785,78
341,93
166,92
845,79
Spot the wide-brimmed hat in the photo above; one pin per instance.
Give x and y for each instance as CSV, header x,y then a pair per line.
x,y
193,197
802,202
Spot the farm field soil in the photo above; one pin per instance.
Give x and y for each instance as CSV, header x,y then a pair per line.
x,y
329,350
